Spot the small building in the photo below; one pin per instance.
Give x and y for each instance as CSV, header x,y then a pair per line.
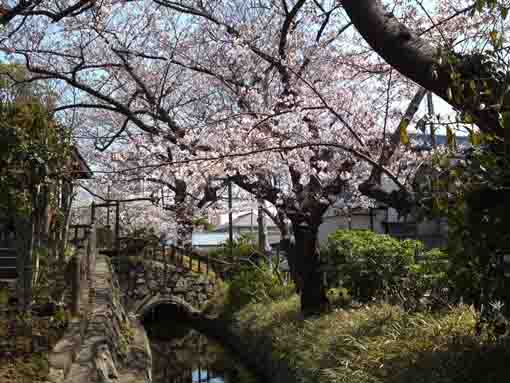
x,y
208,241
247,223
385,220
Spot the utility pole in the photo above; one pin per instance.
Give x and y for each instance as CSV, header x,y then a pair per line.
x,y
430,106
262,233
108,208
261,228
230,232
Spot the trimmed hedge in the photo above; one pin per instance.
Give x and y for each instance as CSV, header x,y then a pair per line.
x,y
371,265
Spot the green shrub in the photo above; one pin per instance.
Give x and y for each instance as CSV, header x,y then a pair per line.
x,y
372,265
366,263
254,284
242,249
431,271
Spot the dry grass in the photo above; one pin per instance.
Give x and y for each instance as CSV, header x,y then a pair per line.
x,y
378,343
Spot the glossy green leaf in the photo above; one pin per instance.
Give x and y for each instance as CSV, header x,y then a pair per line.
x,y
404,136
450,138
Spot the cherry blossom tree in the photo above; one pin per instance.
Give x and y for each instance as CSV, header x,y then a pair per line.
x,y
287,100
466,78
52,10
305,139
138,212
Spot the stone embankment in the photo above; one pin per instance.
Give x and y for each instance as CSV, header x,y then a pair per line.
x,y
106,344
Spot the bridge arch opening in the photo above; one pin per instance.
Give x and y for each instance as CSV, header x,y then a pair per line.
x,y
160,319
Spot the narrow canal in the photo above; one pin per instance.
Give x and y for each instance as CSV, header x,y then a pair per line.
x,y
183,355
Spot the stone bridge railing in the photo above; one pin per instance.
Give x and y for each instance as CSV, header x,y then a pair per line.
x,y
191,260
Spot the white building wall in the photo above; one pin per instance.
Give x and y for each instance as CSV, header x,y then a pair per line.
x,y
333,223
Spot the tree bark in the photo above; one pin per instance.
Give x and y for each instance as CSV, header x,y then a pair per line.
x,y
183,218
287,243
419,61
306,259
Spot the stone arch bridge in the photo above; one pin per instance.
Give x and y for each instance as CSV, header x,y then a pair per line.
x,y
159,275
151,274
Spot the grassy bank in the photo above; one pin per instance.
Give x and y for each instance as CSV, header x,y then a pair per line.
x,y
376,343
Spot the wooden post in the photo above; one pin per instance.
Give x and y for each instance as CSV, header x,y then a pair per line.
x,y
75,284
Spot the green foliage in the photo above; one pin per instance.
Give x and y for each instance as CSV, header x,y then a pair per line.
x,y
474,195
339,297
61,318
243,248
203,223
33,146
256,284
68,253
432,270
367,266
376,343
366,263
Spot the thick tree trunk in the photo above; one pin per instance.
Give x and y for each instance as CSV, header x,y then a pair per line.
x,y
183,215
306,259
419,60
287,244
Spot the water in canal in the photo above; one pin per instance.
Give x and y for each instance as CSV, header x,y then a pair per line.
x,y
183,355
